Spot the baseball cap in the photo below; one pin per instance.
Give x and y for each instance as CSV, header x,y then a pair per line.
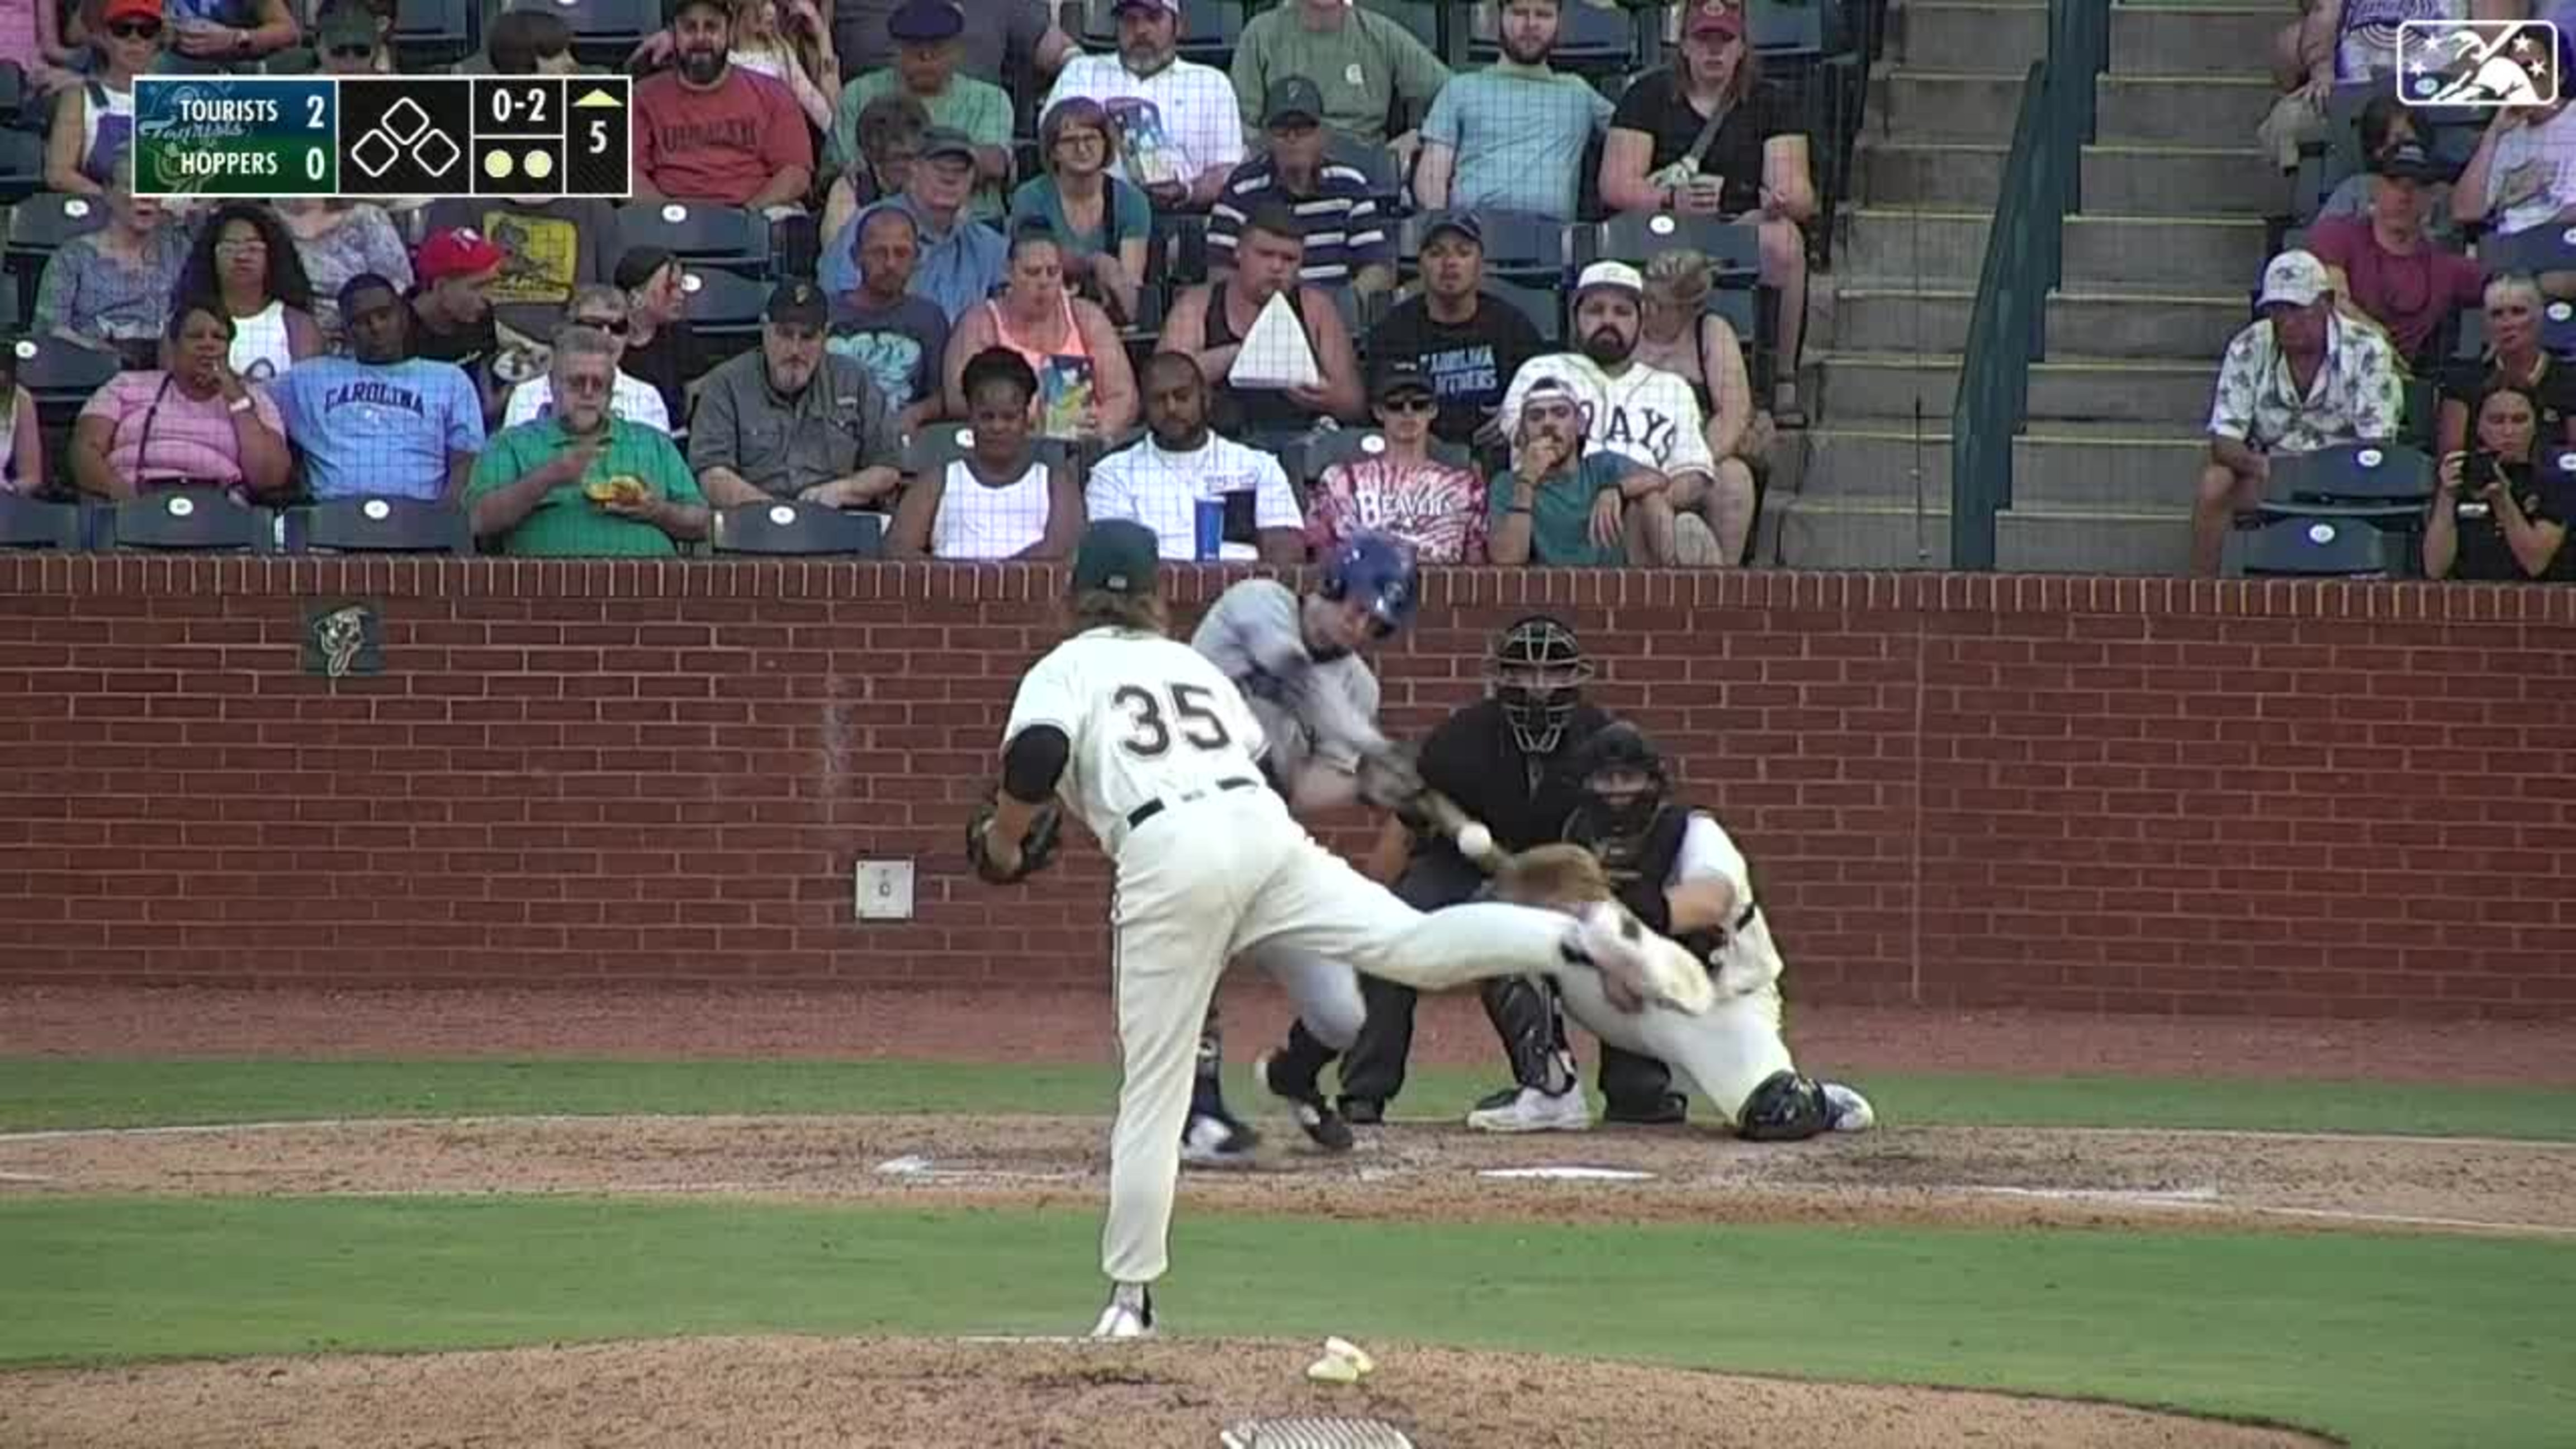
x,y
798,303
1464,223
1395,379
2294,279
459,251
116,10
2407,161
346,27
1725,21
1617,275
940,141
1117,556
924,21
1295,98
637,265
1167,7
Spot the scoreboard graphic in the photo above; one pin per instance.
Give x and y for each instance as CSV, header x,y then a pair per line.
x,y
271,136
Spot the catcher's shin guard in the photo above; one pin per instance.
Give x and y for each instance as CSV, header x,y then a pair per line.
x,y
1526,1015
1638,1090
1785,1107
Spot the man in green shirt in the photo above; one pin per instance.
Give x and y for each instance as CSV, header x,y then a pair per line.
x,y
926,49
1362,61
1560,507
581,482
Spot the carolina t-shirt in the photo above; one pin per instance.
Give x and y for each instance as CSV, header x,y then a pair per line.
x,y
378,431
1470,364
720,145
1657,107
189,438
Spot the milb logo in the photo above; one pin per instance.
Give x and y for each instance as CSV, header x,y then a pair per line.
x,y
2479,64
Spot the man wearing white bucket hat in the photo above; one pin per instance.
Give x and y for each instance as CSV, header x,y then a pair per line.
x,y
1638,411
2298,379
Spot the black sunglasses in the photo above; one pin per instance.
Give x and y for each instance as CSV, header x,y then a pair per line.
x,y
1412,402
352,52
135,29
618,327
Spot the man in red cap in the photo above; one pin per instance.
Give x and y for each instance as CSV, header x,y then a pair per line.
x,y
451,311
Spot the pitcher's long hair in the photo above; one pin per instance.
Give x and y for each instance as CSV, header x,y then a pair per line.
x,y
1101,609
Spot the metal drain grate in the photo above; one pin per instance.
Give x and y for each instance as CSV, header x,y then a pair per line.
x,y
1315,1434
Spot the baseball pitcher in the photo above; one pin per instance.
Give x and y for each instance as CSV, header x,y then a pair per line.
x,y
1301,666
1677,870
1155,749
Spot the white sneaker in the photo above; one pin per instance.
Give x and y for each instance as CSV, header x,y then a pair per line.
x,y
1852,1112
1533,1110
1130,1313
1211,1141
1657,968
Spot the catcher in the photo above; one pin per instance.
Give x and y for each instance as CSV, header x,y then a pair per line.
x,y
1156,750
1676,870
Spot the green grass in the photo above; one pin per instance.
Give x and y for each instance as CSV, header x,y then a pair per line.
x,y
37,1093
2388,1341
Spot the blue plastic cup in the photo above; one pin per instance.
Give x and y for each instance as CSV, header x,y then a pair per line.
x,y
1210,513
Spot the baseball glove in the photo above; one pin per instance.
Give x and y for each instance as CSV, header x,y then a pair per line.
x,y
1037,848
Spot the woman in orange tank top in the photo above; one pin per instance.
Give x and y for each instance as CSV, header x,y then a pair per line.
x,y
1085,388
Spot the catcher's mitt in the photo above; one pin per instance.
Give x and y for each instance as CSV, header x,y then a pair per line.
x,y
1558,877
1037,848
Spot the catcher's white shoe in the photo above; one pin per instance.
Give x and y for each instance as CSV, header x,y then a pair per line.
x,y
1639,962
1533,1109
1130,1313
1852,1112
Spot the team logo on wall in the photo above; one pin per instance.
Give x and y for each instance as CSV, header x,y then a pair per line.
x,y
343,638
2485,64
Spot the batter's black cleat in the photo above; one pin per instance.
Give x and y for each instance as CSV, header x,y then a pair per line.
x,y
1672,1109
1363,1111
1321,1123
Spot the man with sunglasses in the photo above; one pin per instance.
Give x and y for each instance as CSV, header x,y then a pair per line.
x,y
630,397
1397,487
349,41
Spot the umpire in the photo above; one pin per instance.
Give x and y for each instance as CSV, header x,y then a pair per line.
x,y
1501,759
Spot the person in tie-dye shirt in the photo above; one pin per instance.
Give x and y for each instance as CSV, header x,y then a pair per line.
x,y
1436,507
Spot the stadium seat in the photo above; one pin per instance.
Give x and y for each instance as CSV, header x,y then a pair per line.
x,y
29,523
730,237
724,312
1633,237
2359,481
796,529
1544,307
22,165
1375,163
190,518
1343,445
378,525
2320,548
1176,250
1522,246
604,32
435,34
61,376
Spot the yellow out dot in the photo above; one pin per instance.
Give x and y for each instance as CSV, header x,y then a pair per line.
x,y
497,165
540,165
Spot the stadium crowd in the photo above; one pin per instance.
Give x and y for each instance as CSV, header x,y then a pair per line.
x,y
1319,287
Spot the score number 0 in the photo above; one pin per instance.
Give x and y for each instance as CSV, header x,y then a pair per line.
x,y
316,162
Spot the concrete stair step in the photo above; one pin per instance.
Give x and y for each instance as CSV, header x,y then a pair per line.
x,y
1827,533
1927,105
2128,251
2192,110
1943,35
2065,541
2107,466
2064,388
1894,316
2194,39
1900,172
2168,180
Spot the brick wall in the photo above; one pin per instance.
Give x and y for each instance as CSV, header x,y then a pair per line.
x,y
2123,795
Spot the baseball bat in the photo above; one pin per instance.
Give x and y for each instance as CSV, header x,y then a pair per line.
x,y
1463,830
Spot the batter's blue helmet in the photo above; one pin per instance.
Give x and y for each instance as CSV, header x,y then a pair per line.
x,y
1379,570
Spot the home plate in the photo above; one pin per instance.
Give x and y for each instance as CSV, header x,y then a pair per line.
x,y
1568,1174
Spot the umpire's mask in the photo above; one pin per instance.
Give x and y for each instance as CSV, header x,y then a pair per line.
x,y
1539,672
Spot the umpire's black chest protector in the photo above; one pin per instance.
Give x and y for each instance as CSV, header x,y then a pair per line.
x,y
1473,759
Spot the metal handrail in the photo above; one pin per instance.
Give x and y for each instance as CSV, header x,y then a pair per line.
x,y
2025,255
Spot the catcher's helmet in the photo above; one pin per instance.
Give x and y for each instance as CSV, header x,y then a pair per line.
x,y
1377,570
1620,746
1539,672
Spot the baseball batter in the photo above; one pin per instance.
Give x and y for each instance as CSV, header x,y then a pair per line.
x,y
1154,748
1301,667
1678,871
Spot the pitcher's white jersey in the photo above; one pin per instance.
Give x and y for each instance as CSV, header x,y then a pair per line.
x,y
1149,718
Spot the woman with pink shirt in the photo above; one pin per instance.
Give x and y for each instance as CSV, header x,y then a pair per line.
x,y
192,422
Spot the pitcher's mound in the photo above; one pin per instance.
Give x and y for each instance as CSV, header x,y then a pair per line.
x,y
724,1393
